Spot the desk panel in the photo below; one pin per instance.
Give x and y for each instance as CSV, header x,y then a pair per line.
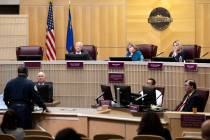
x,y
89,122
79,88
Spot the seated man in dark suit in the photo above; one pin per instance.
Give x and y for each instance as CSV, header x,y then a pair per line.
x,y
191,99
44,86
78,50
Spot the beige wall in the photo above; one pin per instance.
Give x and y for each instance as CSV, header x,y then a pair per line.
x,y
13,33
203,24
111,24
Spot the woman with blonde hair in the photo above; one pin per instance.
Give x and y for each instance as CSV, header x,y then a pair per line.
x,y
177,53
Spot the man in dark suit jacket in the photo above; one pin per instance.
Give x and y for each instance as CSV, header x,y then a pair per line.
x,y
41,81
78,50
192,99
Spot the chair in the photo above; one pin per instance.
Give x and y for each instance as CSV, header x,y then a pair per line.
x,y
37,137
29,53
107,137
148,137
91,50
162,90
7,137
191,51
187,138
205,95
191,134
148,50
37,132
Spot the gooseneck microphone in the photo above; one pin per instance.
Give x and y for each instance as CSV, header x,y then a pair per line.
x,y
99,97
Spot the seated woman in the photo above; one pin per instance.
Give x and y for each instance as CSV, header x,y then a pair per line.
x,y
177,53
134,53
10,124
151,125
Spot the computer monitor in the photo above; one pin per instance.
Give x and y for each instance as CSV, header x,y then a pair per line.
x,y
29,57
83,56
149,94
125,94
107,94
120,59
163,59
45,92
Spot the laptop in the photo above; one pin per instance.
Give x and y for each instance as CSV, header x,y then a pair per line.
x,y
199,60
120,59
164,59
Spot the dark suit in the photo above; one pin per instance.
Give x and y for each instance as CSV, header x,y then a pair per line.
x,y
194,101
178,56
49,97
82,52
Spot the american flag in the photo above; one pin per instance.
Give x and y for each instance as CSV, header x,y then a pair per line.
x,y
50,35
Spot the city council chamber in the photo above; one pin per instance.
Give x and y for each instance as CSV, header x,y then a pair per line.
x,y
100,67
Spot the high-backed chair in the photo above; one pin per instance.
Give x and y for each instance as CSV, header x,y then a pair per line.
x,y
205,95
29,53
7,137
107,137
29,132
148,50
162,90
187,138
148,137
191,51
37,137
191,134
91,50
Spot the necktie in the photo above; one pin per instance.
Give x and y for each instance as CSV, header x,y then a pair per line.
x,y
183,103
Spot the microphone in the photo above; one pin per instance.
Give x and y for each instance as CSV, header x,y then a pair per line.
x,y
205,54
118,95
140,97
99,97
159,54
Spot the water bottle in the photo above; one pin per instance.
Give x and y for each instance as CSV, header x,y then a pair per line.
x,y
180,58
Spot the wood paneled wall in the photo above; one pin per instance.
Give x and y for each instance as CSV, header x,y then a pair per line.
x,y
182,28
13,33
97,22
111,24
203,25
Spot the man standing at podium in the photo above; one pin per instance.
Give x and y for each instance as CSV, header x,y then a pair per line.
x,y
19,95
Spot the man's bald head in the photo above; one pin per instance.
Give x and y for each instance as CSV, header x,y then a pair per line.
x,y
78,46
41,77
205,130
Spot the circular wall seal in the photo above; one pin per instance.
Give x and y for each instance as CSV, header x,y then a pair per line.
x,y
160,18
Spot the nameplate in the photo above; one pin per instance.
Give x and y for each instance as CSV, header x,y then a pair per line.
x,y
116,65
134,108
105,102
116,77
32,64
192,120
74,65
191,67
155,66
